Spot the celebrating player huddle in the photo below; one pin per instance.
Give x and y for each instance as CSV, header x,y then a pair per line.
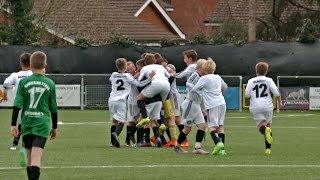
x,y
146,90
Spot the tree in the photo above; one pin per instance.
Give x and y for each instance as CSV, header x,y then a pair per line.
x,y
19,30
252,21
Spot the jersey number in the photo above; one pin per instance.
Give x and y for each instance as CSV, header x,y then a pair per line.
x,y
263,92
35,96
120,87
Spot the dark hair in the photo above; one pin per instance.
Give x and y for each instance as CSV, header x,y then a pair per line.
x,y
25,59
191,54
149,58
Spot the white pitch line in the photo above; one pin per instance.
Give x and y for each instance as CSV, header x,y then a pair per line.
x,y
284,116
177,166
275,127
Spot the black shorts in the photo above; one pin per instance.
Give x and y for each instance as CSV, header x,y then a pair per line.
x,y
31,140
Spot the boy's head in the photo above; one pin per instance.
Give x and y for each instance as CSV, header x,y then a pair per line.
x,y
262,68
25,60
209,66
121,64
129,62
38,60
199,67
140,63
162,62
158,56
131,68
149,59
190,56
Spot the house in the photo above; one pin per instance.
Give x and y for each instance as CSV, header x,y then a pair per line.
x,y
238,11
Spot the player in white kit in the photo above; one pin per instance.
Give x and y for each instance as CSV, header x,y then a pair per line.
x,y
159,85
259,91
121,87
192,113
13,80
190,58
211,86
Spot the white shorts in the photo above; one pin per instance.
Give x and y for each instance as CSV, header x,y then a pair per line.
x,y
133,112
176,103
191,113
260,116
153,110
161,87
117,110
215,116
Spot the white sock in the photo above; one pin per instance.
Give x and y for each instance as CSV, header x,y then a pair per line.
x,y
197,145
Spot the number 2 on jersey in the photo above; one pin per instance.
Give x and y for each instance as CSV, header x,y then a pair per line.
x,y
35,96
263,92
120,87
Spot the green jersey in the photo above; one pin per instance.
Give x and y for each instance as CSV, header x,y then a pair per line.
x,y
36,96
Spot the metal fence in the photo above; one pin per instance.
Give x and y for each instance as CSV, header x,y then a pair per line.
x,y
95,88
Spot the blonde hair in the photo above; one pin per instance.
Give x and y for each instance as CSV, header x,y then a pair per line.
x,y
200,63
38,60
209,66
262,68
121,64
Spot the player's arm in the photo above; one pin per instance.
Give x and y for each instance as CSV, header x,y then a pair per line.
x,y
275,91
9,81
17,105
141,83
224,85
185,73
198,86
54,112
248,90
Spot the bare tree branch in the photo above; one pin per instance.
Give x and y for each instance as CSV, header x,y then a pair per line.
x,y
301,6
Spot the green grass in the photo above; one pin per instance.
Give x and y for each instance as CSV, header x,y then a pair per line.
x,y
83,152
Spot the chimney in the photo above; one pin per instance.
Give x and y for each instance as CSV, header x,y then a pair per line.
x,y
168,6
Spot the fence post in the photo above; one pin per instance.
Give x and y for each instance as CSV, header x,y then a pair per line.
x,y
82,93
240,94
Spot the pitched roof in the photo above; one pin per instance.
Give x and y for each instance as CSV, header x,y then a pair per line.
x,y
97,19
238,10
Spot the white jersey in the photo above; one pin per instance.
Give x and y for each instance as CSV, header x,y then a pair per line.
x,y
132,98
191,82
161,72
258,90
211,86
14,79
121,85
187,71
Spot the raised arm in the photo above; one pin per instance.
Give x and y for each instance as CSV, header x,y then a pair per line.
x,y
198,86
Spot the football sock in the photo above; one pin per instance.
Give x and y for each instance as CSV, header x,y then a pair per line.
x,y
222,137
28,172
133,131
168,133
182,137
34,173
113,129
142,106
163,139
16,139
268,146
180,126
199,135
119,128
205,118
140,132
128,134
262,129
215,137
155,132
147,135
172,130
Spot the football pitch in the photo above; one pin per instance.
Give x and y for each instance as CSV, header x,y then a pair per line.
x,y
81,151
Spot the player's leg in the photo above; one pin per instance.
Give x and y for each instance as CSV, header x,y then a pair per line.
x,y
169,116
142,107
119,117
221,117
213,125
262,122
146,131
36,154
200,122
27,142
154,114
